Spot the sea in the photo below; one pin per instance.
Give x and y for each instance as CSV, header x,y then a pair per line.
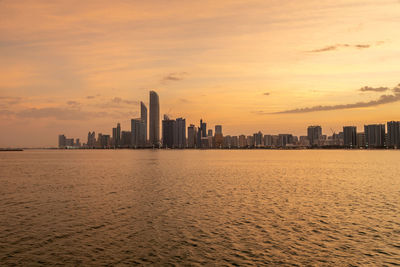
x,y
200,208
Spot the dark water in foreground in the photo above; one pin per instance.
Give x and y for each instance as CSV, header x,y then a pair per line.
x,y
200,207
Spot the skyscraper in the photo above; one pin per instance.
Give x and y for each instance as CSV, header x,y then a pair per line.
x,y
118,136
218,129
374,135
62,140
393,131
203,127
180,135
192,135
350,136
168,127
218,137
143,116
137,133
314,133
154,119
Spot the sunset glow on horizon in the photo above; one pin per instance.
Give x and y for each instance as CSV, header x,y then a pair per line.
x,y
273,66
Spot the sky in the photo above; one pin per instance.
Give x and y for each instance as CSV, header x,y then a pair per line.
x,y
276,66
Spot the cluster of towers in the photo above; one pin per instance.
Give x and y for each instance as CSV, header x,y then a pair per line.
x,y
145,133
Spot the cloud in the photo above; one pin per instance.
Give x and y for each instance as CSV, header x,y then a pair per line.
x,y
337,46
266,93
73,103
373,89
383,99
61,113
174,77
117,103
10,100
90,97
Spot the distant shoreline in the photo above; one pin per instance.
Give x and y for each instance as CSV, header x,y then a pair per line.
x,y
150,148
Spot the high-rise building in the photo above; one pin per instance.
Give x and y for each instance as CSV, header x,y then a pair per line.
x,y
393,133
154,118
203,127
360,140
350,136
250,141
218,129
374,135
137,133
210,133
227,141
267,140
258,139
118,135
192,136
234,142
285,139
62,141
168,127
143,116
126,139
218,137
242,141
314,133
180,133
91,141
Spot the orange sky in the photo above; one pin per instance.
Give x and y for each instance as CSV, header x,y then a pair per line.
x,y
74,66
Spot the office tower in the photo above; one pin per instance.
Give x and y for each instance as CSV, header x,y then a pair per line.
x,y
77,142
69,142
374,135
275,140
350,136
314,133
143,116
218,137
180,135
126,139
198,139
105,141
98,141
250,141
218,129
267,140
210,132
91,140
168,127
393,134
242,141
118,135
285,139
360,140
62,141
258,139
234,142
137,133
203,127
154,127
114,137
192,136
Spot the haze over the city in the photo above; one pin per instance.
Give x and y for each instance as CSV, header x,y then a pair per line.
x,y
276,66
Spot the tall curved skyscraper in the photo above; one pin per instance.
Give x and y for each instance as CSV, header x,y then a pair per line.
x,y
154,129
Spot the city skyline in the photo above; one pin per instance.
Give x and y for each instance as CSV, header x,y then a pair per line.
x,y
270,66
173,135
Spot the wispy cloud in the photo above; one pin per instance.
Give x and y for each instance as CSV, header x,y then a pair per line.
x,y
383,99
337,46
266,93
374,89
174,77
73,103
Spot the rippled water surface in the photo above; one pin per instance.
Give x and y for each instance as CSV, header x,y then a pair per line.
x,y
253,207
